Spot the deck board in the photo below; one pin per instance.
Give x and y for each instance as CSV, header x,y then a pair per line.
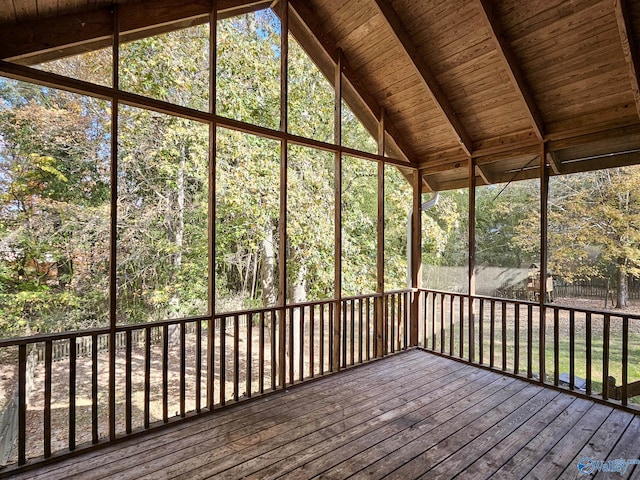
x,y
412,415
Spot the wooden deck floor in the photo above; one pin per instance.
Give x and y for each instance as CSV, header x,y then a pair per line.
x,y
413,415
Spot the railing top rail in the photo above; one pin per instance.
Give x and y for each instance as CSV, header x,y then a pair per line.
x,y
554,306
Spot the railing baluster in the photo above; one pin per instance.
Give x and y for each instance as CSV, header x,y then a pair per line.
x,y
261,353
433,321
165,373
94,388
588,341
516,338
147,376
503,335
301,343
529,341
492,333
625,359
47,398
22,404
291,346
481,331
451,332
368,333
236,357
312,339
352,331
198,366
223,359
461,333
73,354
605,356
128,387
249,363
330,332
442,323
360,318
556,346
273,350
572,350
322,339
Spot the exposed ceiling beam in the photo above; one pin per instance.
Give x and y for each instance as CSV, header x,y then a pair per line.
x,y
628,48
49,39
304,13
518,79
435,91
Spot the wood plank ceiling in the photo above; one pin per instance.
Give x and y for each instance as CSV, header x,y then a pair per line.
x,y
491,79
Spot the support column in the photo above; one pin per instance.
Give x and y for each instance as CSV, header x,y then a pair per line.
x,y
282,222
471,275
544,196
212,209
379,305
416,257
337,136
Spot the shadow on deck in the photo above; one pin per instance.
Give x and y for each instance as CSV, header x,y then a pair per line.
x,y
411,415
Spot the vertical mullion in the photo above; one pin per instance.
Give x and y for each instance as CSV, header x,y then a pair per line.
x,y
47,398
72,392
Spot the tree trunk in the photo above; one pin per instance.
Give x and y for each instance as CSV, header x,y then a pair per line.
x,y
622,296
174,302
267,270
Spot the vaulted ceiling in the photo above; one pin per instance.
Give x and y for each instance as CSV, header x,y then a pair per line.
x,y
495,80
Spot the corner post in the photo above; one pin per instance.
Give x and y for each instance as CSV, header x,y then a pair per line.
x,y
472,256
544,198
337,136
379,301
416,257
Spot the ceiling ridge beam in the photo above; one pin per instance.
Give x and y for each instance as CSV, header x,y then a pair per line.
x,y
628,48
306,16
518,78
435,91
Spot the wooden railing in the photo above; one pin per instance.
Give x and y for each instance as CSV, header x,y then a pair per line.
x,y
591,353
72,390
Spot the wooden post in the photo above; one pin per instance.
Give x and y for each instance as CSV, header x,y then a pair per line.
x,y
337,136
379,309
416,257
544,196
212,210
113,272
472,257
284,151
